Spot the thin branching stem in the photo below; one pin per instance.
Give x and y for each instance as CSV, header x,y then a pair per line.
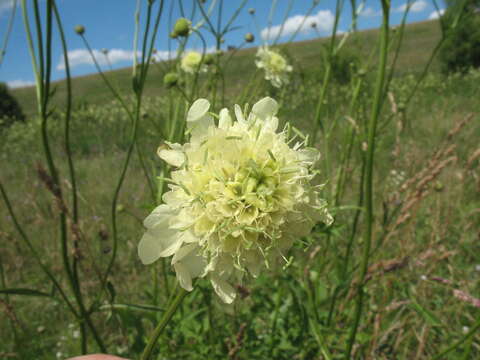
x,y
369,217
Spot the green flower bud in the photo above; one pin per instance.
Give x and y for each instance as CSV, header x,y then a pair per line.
x,y
438,186
170,79
80,29
173,35
249,37
362,72
208,59
182,27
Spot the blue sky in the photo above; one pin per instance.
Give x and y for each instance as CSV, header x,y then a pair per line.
x,y
110,23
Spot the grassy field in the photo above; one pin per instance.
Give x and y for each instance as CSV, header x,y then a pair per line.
x,y
422,288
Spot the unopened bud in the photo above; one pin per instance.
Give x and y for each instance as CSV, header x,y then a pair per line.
x,y
208,60
170,79
80,29
182,27
438,186
249,37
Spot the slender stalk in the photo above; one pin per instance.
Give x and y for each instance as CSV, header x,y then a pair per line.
x,y
372,126
6,37
147,352
455,345
326,78
136,119
34,252
68,110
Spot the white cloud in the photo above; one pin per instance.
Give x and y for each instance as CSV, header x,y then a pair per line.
x,y
19,83
416,6
436,14
323,20
370,12
5,5
79,57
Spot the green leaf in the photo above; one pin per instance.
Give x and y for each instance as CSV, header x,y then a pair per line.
x,y
23,291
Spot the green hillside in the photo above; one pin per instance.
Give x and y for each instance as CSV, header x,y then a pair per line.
x,y
419,41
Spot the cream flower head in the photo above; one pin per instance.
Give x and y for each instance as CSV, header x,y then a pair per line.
x,y
239,197
191,61
275,66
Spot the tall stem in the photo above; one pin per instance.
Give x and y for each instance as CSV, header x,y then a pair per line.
x,y
147,352
372,127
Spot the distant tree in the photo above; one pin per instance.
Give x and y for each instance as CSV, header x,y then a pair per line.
x,y
10,110
461,49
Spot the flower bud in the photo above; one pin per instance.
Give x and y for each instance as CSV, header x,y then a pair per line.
x,y
208,59
173,35
249,37
438,186
80,29
170,79
182,27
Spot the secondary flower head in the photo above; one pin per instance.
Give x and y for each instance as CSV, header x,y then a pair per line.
x,y
239,197
275,66
191,62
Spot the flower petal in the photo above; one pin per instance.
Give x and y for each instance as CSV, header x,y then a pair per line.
x,y
265,108
172,157
159,216
223,289
225,120
156,244
239,114
199,128
188,264
198,109
183,276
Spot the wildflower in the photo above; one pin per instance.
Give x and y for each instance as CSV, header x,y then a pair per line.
x,y
249,37
80,29
170,79
191,62
209,59
182,27
275,66
239,197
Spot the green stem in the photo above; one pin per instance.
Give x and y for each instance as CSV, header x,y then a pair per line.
x,y
372,126
147,352
35,254
3,50
468,335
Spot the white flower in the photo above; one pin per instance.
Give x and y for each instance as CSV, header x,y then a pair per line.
x,y
275,66
191,61
238,200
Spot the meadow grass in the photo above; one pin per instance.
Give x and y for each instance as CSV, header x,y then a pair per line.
x,y
425,250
